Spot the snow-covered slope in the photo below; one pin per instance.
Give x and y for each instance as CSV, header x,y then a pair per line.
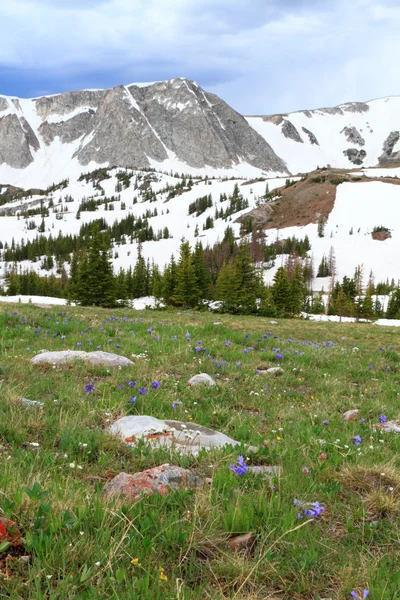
x,y
348,135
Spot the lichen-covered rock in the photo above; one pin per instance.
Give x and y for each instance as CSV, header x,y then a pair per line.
x,y
160,480
290,131
186,438
353,136
351,415
201,379
32,403
311,136
105,359
355,156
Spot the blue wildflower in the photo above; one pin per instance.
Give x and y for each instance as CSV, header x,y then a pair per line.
x,y
143,391
357,440
132,384
383,419
240,468
155,385
132,399
89,388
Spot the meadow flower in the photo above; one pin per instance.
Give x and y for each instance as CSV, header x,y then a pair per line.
x,y
278,355
162,575
135,562
240,468
357,440
354,594
325,422
143,391
89,388
314,509
132,399
132,384
155,385
79,344
383,419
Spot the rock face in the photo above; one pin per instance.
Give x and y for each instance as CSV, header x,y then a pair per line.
x,y
311,136
353,136
160,480
186,438
105,359
388,156
290,131
355,156
134,126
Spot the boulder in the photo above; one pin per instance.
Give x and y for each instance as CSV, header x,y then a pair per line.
x,y
32,403
160,480
186,438
351,415
201,379
272,371
390,426
104,359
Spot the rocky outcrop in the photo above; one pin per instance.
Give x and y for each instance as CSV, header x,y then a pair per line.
x,y
353,136
311,136
355,156
63,357
388,156
16,141
290,131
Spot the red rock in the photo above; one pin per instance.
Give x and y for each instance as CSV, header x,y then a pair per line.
x,y
159,480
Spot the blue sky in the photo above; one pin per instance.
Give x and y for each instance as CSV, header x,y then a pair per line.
x,y
261,56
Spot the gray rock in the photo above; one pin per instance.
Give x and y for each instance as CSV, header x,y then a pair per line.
x,y
201,379
16,140
32,403
351,415
311,136
272,371
186,438
160,480
266,471
387,155
353,136
290,131
391,426
106,359
355,156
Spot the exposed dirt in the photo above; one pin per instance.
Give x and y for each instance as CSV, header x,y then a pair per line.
x,y
307,201
381,236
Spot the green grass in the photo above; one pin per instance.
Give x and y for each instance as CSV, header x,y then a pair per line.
x,y
81,546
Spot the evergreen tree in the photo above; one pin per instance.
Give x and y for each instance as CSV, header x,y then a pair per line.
x,y
281,291
187,291
248,280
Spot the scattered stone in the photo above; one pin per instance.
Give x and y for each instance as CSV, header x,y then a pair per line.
x,y
266,471
160,480
33,403
218,323
186,438
201,379
105,359
390,426
273,322
351,415
242,542
272,370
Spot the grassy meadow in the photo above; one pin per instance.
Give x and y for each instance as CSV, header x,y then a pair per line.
x,y
55,460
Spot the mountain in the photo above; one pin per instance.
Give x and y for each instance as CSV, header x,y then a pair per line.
x,y
166,125
352,134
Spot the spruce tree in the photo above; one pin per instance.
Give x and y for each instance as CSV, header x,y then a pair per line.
x,y
281,291
187,291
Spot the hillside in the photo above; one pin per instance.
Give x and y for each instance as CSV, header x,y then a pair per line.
x,y
352,134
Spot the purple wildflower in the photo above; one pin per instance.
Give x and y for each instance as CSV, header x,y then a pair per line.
x,y
37,330
143,391
132,399
89,388
118,345
383,419
173,405
354,594
357,440
150,329
325,422
79,344
132,384
238,363
155,385
240,468
278,355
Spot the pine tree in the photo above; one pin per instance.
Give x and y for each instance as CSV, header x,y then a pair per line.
x,y
139,277
281,291
187,290
248,280
201,271
227,287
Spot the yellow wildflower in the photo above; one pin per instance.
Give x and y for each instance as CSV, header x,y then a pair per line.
x,y
135,562
162,575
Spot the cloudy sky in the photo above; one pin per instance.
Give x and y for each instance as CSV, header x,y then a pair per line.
x,y
261,56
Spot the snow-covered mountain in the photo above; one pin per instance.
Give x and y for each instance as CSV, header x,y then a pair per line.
x,y
352,134
166,125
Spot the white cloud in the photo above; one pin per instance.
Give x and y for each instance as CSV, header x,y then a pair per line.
x,y
260,56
